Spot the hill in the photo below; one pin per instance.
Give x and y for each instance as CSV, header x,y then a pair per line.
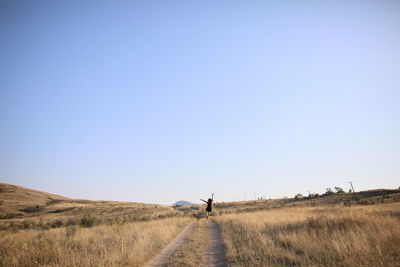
x,y
16,199
182,203
19,203
27,208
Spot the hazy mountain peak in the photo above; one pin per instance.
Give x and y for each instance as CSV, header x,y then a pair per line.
x,y
182,202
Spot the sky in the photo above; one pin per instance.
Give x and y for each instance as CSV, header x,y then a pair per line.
x,y
158,101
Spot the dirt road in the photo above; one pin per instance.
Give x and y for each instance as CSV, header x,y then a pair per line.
x,y
162,258
215,254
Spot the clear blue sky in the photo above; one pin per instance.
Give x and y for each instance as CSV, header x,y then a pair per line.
x,y
156,101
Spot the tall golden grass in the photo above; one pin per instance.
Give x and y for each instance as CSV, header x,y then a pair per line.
x,y
130,244
310,236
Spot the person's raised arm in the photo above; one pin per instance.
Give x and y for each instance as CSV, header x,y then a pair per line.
x,y
203,200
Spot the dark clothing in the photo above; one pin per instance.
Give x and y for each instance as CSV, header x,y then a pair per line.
x,y
209,208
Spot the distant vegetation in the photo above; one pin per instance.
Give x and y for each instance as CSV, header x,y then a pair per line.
x,y
331,229
23,208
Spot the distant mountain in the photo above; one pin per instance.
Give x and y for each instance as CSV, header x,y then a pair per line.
x,y
182,202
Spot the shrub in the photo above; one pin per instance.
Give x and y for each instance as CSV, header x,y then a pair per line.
x,y
11,216
329,191
145,219
199,214
70,231
339,189
57,223
88,220
298,196
347,203
32,209
28,224
71,221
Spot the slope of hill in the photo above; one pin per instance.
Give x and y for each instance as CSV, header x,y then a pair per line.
x,y
16,199
18,203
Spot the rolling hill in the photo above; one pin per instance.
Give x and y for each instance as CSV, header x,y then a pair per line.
x,y
19,203
21,206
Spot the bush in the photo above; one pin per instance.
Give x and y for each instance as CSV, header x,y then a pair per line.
x,y
145,219
199,214
298,196
329,191
71,221
11,216
347,203
70,231
88,220
339,190
28,224
313,195
56,223
111,221
32,209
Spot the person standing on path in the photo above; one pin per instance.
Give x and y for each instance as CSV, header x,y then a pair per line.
x,y
209,205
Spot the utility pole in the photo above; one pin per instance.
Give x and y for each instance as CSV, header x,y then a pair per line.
x,y
355,195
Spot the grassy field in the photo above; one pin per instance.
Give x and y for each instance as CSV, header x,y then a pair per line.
x,y
130,244
370,197
310,236
23,208
42,229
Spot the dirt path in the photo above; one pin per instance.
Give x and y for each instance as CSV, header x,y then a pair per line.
x,y
215,254
162,258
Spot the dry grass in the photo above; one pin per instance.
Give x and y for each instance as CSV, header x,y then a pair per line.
x,y
330,231
14,199
22,208
370,197
129,244
309,236
25,208
193,252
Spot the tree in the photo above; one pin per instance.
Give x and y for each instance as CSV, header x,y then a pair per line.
x,y
328,191
338,189
298,196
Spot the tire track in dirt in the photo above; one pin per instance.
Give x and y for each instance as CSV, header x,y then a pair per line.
x,y
162,258
215,254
